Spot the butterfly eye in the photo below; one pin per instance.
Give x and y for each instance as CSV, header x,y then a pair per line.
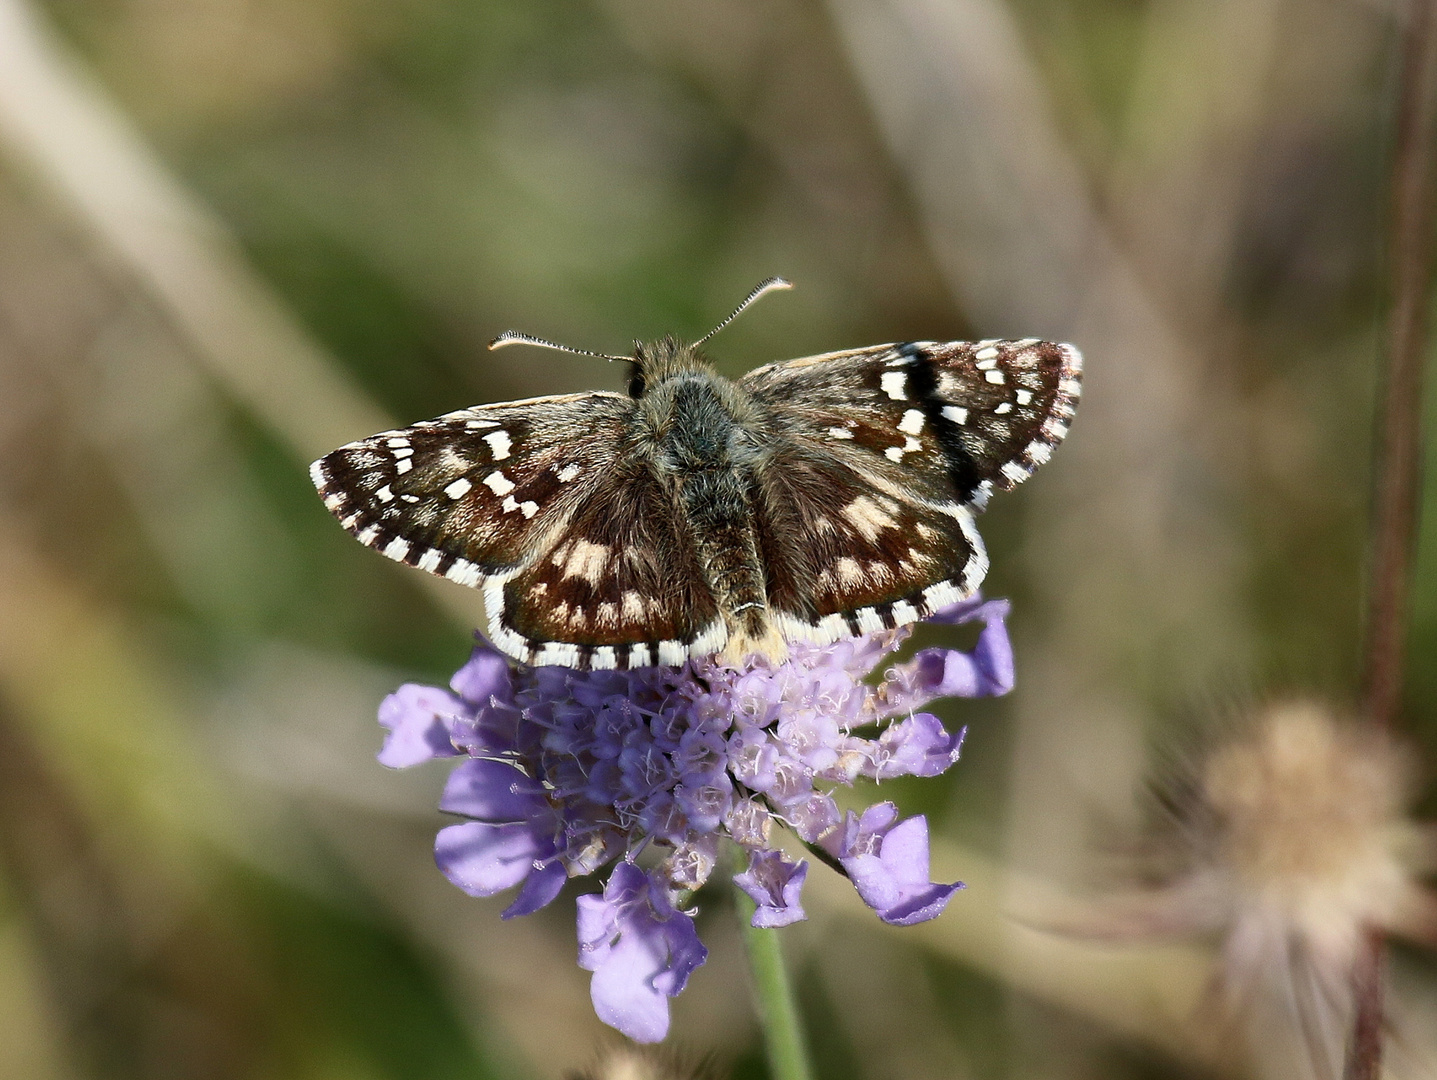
x,y
636,383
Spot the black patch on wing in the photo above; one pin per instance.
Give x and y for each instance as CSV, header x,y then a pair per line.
x,y
940,422
963,470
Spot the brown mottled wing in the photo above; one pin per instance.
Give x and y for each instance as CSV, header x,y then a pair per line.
x,y
619,585
883,457
938,421
490,496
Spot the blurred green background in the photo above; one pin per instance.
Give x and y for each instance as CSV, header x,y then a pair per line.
x,y
236,233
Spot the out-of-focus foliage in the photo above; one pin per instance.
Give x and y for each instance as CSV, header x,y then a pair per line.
x,y
202,871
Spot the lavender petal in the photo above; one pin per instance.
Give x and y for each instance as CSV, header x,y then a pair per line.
x,y
774,884
419,719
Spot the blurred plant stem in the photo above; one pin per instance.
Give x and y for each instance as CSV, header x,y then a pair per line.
x,y
1397,472
1399,435
783,1036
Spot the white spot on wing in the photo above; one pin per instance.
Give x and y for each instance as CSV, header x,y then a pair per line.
x,y
956,413
894,384
557,654
498,483
839,433
912,422
910,444
567,473
397,548
499,444
994,377
868,517
587,561
458,489
904,613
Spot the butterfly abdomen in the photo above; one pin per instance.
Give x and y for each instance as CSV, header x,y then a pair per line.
x,y
705,450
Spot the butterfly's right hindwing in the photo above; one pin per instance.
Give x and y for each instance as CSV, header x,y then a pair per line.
x,y
880,459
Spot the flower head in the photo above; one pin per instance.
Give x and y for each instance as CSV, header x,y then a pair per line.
x,y
566,772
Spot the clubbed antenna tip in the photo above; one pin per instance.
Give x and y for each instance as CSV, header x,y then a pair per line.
x,y
765,286
514,337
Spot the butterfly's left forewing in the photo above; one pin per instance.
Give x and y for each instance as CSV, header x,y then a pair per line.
x,y
474,492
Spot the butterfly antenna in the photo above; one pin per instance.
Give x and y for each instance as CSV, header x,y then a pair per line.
x,y
762,287
513,337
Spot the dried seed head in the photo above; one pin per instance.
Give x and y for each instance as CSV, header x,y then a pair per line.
x,y
1310,850
1311,834
1289,840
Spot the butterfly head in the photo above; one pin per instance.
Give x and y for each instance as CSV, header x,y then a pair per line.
x,y
657,361
654,362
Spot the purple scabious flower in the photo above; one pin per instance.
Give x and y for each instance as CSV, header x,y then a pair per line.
x,y
565,772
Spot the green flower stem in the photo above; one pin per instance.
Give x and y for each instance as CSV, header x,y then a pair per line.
x,y
773,999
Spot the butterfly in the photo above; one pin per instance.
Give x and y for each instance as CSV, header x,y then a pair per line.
x,y
808,501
